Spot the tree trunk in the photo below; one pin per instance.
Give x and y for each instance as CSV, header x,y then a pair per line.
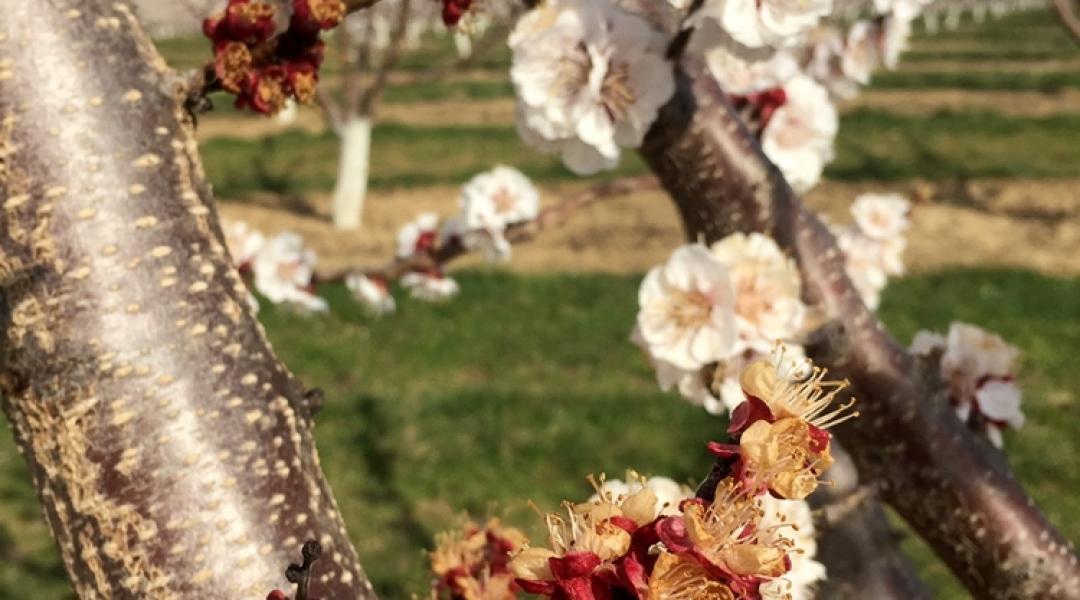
x,y
171,450
352,180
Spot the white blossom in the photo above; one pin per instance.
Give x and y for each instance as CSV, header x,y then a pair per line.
x,y
669,493
694,385
768,303
894,40
490,202
862,52
431,287
687,313
283,270
799,137
590,78
874,245
417,235
242,241
881,216
740,76
757,23
372,293
792,520
980,369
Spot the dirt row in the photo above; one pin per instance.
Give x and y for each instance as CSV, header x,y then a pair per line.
x,y
501,110
1018,223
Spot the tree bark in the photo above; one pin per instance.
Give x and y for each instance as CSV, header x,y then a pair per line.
x,y
955,490
172,451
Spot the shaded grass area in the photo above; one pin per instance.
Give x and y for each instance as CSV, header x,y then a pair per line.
x,y
872,145
524,384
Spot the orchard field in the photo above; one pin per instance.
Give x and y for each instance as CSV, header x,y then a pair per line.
x,y
526,383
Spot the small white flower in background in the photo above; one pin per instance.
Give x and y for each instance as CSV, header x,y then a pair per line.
x,y
418,235
590,78
758,23
740,76
862,53
894,40
824,62
799,137
687,309
881,216
431,287
980,370
490,202
863,262
793,520
669,493
372,292
874,245
283,270
242,241
768,303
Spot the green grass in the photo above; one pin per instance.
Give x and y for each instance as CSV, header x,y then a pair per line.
x,y
1050,81
297,162
525,384
872,145
954,145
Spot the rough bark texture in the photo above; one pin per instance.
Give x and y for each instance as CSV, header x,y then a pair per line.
x,y
955,490
171,449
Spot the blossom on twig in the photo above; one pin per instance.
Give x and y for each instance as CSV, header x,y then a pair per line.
x,y
979,368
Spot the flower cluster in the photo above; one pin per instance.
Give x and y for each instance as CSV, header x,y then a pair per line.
x,y
765,23
281,267
590,78
980,370
707,312
844,64
472,564
490,203
730,543
874,244
262,70
788,110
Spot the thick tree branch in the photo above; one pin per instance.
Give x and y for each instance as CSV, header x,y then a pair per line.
x,y
953,489
172,451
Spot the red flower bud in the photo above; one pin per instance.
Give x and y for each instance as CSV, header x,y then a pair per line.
x,y
232,64
302,79
277,595
453,10
309,16
250,21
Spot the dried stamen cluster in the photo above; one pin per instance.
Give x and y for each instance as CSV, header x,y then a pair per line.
x,y
263,70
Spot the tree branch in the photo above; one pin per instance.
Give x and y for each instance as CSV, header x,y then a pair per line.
x,y
1067,15
171,450
953,489
390,60
553,216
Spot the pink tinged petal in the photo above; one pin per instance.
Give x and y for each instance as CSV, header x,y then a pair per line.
x,y
574,564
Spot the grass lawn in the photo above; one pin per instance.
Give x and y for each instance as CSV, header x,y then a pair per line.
x,y
872,145
525,384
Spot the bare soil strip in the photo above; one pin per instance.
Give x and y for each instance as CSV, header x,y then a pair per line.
x,y
1029,224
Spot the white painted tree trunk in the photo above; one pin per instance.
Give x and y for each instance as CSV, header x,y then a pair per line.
x,y
352,180
463,44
